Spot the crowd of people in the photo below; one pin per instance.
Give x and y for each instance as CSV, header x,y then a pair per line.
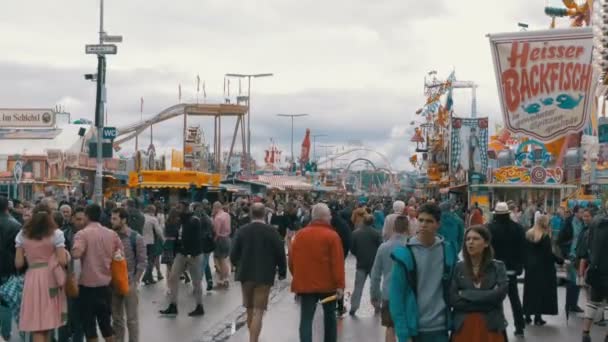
x,y
437,272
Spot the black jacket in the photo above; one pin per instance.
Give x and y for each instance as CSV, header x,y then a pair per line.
x,y
366,241
465,298
508,241
68,233
9,228
258,251
191,241
598,252
343,230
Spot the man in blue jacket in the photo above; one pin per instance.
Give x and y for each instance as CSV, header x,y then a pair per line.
x,y
420,282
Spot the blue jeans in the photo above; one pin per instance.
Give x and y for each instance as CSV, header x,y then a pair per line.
x,y
433,336
206,269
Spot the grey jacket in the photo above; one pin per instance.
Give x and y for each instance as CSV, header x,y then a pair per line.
x,y
465,298
383,266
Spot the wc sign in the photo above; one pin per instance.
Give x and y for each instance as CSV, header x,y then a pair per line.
x,y
545,81
109,133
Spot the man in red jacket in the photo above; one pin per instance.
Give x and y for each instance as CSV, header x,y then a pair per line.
x,y
316,261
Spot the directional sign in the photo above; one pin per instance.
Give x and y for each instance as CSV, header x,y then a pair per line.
x,y
106,49
109,133
111,39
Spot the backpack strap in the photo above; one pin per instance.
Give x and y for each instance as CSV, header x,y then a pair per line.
x,y
133,240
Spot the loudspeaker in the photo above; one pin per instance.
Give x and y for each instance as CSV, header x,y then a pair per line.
x,y
82,131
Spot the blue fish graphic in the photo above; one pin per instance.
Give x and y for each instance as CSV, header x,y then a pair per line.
x,y
547,102
565,101
532,108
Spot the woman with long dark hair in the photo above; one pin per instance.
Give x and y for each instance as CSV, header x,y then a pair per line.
x,y
42,245
479,286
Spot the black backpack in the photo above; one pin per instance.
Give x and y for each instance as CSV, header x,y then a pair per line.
x,y
208,234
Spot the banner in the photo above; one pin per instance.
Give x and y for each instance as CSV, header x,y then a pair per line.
x,y
25,117
545,80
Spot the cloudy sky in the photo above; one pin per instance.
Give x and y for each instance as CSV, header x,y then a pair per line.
x,y
357,67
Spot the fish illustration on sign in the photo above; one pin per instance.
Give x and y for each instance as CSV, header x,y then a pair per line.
x,y
565,101
547,102
532,108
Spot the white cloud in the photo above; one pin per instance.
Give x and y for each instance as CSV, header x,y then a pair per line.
x,y
356,66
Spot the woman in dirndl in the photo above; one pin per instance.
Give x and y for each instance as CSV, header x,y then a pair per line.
x,y
479,286
42,245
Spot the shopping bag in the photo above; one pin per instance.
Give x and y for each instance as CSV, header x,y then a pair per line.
x,y
120,274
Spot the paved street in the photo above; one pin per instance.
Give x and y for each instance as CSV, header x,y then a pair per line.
x,y
281,323
224,318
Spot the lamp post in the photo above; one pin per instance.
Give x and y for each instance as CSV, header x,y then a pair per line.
x,y
249,76
101,50
314,142
292,116
326,147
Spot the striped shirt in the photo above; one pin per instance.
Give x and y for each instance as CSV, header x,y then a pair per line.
x,y
136,259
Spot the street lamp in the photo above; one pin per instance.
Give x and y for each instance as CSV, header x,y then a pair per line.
x,y
326,147
249,76
100,50
292,116
314,142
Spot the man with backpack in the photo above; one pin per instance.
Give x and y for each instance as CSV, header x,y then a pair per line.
x,y
422,269
135,254
9,228
566,241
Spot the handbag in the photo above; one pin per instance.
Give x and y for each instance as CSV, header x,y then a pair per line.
x,y
120,274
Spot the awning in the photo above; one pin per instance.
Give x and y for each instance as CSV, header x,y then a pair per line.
x,y
235,188
161,185
285,182
524,186
172,179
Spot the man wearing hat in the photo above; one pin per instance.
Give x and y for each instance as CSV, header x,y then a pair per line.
x,y
508,241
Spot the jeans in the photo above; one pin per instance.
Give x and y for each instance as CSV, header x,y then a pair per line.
x,y
72,332
433,336
150,266
206,269
308,306
6,321
360,278
572,290
128,303
518,312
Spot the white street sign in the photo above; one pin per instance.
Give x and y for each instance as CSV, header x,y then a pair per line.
x,y
112,39
106,49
